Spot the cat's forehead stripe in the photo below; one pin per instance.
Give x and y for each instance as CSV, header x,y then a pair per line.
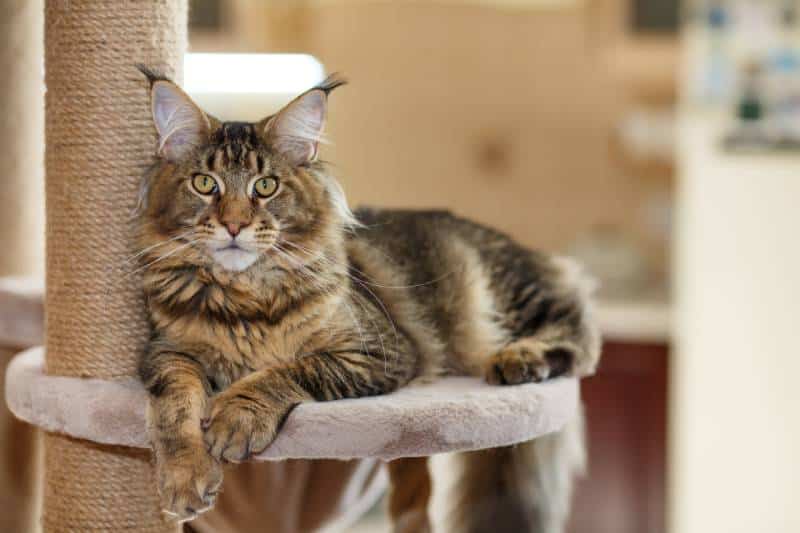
x,y
236,144
242,133
252,161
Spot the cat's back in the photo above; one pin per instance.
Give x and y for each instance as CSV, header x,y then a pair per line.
x,y
405,224
430,240
444,278
410,230
468,287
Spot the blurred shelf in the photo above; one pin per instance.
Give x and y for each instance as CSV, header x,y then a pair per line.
x,y
647,67
21,312
646,321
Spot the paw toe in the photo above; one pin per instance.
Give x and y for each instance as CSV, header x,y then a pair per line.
x,y
233,435
189,486
516,366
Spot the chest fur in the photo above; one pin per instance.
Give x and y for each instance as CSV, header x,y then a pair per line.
x,y
231,346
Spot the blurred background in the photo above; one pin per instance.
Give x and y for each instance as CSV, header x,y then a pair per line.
x,y
657,141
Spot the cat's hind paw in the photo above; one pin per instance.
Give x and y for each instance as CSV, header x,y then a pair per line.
x,y
526,361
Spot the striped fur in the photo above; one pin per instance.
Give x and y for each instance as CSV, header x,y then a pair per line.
x,y
313,303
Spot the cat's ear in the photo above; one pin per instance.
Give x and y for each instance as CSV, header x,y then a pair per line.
x,y
181,125
295,131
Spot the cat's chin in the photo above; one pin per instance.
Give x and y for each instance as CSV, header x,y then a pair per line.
x,y
234,260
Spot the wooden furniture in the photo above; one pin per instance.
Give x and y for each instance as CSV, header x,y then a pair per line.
x,y
626,408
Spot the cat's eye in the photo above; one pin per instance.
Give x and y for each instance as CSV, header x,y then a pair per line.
x,y
204,184
265,187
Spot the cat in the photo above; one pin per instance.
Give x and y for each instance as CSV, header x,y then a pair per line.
x,y
264,290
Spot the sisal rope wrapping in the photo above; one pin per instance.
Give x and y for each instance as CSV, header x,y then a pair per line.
x,y
99,142
110,494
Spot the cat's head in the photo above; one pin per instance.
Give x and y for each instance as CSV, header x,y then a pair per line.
x,y
231,194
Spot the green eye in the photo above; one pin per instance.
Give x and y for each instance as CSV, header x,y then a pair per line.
x,y
265,187
204,184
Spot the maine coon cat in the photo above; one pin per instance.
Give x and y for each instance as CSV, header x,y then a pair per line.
x,y
265,291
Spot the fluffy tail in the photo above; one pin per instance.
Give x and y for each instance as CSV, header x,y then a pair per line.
x,y
521,489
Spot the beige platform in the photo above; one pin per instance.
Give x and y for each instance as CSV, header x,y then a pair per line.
x,y
453,414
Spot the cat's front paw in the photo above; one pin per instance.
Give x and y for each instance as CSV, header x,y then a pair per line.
x,y
188,483
526,361
238,427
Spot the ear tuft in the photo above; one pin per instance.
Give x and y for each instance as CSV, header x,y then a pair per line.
x,y
295,132
151,74
334,81
181,125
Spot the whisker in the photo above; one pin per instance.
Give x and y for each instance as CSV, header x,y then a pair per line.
x,y
165,256
143,251
380,337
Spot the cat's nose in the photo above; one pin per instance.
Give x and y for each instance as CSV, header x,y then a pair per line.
x,y
235,227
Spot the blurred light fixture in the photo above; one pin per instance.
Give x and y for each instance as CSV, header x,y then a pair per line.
x,y
250,73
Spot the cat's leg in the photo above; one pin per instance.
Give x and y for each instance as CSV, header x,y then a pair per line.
x,y
409,494
188,477
527,488
553,332
245,418
527,360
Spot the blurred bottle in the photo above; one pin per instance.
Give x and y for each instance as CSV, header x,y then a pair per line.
x,y
709,40
783,74
720,71
750,131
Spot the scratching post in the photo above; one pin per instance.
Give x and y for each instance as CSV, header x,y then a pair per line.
x,y
99,142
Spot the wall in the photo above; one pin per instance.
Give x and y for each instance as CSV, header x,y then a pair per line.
x,y
735,422
497,115
22,139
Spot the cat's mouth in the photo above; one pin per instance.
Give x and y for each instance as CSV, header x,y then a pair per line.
x,y
233,245
233,256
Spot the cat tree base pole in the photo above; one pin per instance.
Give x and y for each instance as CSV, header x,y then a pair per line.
x,y
99,141
107,494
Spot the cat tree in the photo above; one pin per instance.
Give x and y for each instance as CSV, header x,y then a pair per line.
x,y
82,389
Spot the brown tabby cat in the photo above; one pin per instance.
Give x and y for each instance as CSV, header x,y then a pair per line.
x,y
265,291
